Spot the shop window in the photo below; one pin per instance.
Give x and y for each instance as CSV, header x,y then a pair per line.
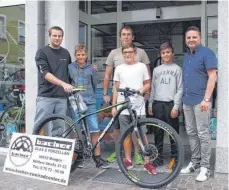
x,y
103,7
83,6
12,47
141,5
103,39
212,39
21,31
82,33
211,2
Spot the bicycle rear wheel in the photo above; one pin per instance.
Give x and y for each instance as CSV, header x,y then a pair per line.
x,y
138,174
13,120
66,130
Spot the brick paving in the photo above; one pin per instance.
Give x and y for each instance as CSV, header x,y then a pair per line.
x,y
86,179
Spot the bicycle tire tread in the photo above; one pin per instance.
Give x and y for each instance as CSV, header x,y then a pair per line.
x,y
179,164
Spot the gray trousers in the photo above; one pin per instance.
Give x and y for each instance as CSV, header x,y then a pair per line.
x,y
46,106
197,127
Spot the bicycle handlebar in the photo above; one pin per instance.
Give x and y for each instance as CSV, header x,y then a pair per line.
x,y
129,91
78,89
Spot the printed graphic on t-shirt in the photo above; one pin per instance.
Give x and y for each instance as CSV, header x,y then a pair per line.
x,y
165,76
82,80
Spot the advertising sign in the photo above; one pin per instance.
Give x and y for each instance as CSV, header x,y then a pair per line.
x,y
40,157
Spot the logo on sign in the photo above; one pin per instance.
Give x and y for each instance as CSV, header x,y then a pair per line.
x,y
63,145
21,151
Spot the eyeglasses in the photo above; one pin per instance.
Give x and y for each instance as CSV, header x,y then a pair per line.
x,y
128,52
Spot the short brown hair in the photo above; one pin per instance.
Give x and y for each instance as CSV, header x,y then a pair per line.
x,y
80,47
55,28
193,28
131,45
166,45
126,28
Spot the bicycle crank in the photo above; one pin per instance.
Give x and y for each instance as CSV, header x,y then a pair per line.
x,y
87,152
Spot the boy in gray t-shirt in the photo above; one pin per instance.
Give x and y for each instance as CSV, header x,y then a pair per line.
x,y
165,99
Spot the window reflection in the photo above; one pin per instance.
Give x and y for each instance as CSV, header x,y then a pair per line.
x,y
103,7
83,6
103,39
82,33
12,72
141,5
213,34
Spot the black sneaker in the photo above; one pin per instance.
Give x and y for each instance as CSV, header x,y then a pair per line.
x,y
100,162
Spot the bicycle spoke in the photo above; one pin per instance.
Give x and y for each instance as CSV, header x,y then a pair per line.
x,y
62,127
155,170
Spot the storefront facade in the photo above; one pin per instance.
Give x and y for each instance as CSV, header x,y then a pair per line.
x,y
97,24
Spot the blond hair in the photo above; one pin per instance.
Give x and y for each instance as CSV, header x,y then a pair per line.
x,y
80,47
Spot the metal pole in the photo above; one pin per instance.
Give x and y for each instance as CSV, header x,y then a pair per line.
x,y
41,24
204,20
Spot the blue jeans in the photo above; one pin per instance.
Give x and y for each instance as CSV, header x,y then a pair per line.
x,y
92,120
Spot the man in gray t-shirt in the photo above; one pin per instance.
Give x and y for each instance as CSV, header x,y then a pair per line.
x,y
114,59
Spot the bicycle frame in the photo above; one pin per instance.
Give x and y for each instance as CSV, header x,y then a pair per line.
x,y
125,105
86,129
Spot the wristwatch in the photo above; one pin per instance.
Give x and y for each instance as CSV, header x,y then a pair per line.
x,y
105,94
206,99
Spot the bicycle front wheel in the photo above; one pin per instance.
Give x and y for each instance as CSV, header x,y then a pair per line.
x,y
155,157
66,129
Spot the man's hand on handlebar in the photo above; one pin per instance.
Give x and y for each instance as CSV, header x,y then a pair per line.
x,y
67,87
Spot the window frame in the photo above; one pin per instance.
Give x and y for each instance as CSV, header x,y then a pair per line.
x,y
19,35
4,27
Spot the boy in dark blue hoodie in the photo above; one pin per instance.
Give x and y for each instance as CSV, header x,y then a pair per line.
x,y
83,75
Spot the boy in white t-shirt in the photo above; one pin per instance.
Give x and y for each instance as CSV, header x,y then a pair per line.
x,y
134,75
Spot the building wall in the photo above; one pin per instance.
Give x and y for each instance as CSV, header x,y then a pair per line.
x,y
223,98
66,17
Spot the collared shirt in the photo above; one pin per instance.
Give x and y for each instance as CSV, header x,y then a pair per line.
x,y
195,76
115,57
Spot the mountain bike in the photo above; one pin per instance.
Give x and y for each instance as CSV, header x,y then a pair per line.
x,y
84,148
13,118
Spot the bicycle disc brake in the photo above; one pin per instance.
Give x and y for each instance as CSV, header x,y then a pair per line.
x,y
151,151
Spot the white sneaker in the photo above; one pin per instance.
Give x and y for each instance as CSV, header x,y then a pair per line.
x,y
203,175
190,168
81,165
